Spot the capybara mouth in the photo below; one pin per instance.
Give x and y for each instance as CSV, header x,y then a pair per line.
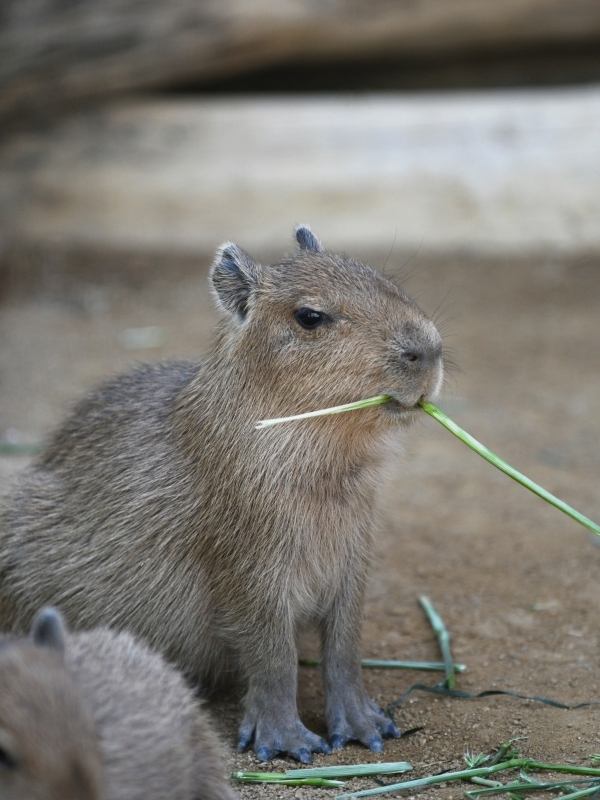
x,y
401,408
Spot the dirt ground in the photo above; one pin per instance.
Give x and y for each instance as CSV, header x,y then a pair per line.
x,y
515,580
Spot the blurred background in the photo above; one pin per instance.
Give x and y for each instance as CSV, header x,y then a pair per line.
x,y
147,126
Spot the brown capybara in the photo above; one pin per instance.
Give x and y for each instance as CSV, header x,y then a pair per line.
x,y
158,508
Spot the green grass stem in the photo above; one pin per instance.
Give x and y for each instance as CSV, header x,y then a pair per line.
x,y
467,774
385,663
504,788
370,401
498,462
20,448
432,780
282,778
440,630
581,793
351,770
525,786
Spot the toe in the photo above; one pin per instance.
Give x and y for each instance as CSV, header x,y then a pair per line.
x,y
391,730
337,741
321,746
245,738
264,752
302,754
374,743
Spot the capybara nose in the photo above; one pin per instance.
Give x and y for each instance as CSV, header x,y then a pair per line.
x,y
421,354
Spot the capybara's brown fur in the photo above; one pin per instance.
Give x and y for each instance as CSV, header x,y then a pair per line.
x,y
97,716
157,507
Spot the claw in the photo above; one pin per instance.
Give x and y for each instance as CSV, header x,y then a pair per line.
x,y
264,753
375,744
245,738
337,741
322,747
303,755
391,730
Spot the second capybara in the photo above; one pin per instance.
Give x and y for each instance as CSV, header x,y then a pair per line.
x,y
97,716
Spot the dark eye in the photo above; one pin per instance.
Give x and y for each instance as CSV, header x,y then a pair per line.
x,y
7,760
309,318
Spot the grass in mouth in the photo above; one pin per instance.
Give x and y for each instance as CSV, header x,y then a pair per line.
x,y
461,434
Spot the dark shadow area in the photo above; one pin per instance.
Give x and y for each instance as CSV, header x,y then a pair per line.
x,y
542,66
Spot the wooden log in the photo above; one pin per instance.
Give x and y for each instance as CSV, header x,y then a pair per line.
x,y
58,53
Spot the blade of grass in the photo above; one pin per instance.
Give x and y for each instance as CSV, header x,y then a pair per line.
x,y
485,782
502,465
383,663
473,794
467,774
505,751
426,666
509,788
370,401
582,793
351,770
475,759
569,768
527,786
20,448
432,780
282,778
437,623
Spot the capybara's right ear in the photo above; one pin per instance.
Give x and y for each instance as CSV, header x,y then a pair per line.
x,y
307,240
48,630
233,275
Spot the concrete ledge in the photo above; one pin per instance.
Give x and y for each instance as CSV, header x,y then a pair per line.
x,y
491,172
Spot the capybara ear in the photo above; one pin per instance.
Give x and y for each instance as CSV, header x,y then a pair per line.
x,y
49,630
307,240
233,275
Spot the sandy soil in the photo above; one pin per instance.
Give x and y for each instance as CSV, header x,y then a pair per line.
x,y
515,580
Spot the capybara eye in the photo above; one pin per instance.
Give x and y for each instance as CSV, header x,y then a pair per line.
x,y
7,760
309,318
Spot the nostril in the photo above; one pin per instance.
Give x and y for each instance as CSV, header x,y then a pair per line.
x,y
410,355
420,354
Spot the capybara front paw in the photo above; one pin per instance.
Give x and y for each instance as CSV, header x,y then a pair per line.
x,y
271,736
